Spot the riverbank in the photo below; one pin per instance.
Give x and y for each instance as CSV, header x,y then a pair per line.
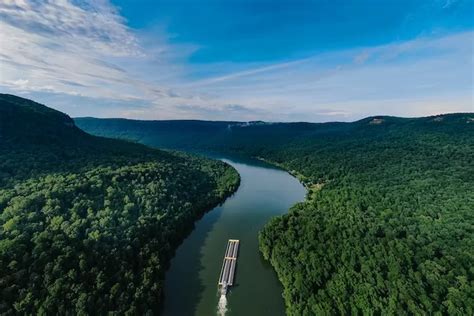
x,y
191,283
310,186
228,192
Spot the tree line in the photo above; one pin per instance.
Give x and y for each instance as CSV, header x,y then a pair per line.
x,y
88,225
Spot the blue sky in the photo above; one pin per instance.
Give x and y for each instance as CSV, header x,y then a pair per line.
x,y
246,31
320,60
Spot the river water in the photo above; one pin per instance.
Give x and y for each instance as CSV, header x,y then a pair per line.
x,y
191,281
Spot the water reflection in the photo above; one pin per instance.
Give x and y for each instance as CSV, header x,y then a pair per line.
x,y
191,282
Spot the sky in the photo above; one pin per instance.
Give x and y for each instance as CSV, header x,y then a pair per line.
x,y
317,61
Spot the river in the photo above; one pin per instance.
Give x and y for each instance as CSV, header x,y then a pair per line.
x,y
191,281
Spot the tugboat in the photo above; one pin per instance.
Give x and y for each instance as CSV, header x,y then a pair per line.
x,y
224,288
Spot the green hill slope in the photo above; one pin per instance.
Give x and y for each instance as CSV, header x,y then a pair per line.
x,y
388,226
87,224
22,120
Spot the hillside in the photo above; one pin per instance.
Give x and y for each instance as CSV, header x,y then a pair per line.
x,y
200,135
88,225
388,226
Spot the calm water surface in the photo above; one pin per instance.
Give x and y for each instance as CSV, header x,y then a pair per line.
x,y
191,282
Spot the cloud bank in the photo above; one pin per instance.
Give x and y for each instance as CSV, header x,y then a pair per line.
x,y
82,58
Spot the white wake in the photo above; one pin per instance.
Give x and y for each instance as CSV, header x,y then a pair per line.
x,y
222,306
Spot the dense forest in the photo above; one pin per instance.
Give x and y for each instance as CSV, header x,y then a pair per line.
x,y
388,225
87,224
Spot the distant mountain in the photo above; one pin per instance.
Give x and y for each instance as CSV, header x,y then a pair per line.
x,y
165,134
240,136
88,224
387,227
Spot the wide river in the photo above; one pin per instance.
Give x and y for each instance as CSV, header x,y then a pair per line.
x,y
191,281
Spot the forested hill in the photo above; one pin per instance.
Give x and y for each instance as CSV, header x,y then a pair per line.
x,y
163,134
388,227
252,137
24,121
203,135
87,224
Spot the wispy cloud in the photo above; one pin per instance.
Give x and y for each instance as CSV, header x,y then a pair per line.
x,y
83,58
247,73
398,79
60,47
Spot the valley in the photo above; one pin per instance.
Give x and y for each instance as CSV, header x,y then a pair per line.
x,y
388,226
86,220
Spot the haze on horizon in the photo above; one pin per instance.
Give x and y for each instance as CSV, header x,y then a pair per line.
x,y
240,60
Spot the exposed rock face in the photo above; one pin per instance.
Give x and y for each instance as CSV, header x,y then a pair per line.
x,y
376,121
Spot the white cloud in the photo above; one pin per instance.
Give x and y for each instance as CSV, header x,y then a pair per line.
x,y
247,73
410,78
69,54
70,49
362,57
20,83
